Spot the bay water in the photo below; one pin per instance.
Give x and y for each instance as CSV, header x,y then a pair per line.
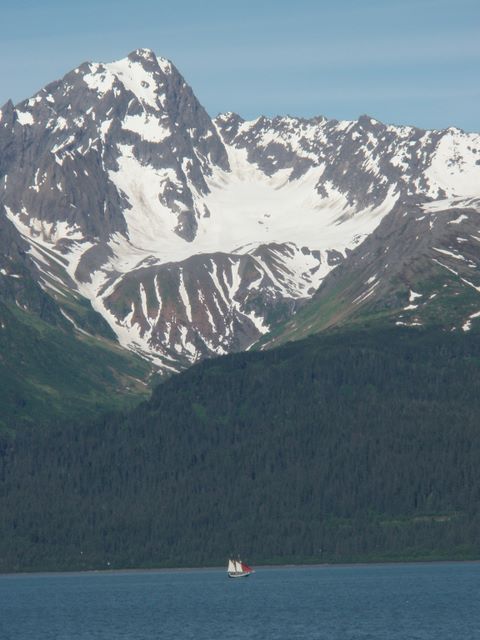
x,y
437,601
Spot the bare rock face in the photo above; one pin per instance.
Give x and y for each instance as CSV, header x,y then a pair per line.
x,y
193,237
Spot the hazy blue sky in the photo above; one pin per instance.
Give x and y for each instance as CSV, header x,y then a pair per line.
x,y
411,61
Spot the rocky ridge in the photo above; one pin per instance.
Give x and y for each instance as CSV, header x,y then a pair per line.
x,y
193,237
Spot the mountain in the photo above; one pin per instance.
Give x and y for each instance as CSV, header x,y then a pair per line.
x,y
418,268
191,237
139,234
348,446
51,370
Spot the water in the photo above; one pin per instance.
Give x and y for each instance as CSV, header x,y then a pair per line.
x,y
387,602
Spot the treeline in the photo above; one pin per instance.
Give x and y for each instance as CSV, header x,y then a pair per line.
x,y
347,446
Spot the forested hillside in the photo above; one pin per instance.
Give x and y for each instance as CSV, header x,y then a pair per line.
x,y
341,447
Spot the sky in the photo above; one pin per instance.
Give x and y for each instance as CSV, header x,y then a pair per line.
x,y
411,62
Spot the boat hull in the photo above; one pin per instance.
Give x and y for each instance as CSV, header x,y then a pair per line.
x,y
239,575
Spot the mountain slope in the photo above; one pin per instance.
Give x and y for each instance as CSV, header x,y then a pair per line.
x,y
49,374
355,445
419,267
194,237
55,366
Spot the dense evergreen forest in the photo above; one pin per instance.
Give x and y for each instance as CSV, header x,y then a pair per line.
x,y
341,447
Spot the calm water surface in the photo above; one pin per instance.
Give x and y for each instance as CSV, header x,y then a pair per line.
x,y
387,602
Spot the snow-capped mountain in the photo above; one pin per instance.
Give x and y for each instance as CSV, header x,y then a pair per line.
x,y
192,236
420,267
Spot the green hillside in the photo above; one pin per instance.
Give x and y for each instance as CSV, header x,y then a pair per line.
x,y
51,373
346,446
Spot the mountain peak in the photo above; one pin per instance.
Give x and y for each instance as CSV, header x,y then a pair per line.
x,y
142,73
147,57
7,109
146,54
192,237
367,121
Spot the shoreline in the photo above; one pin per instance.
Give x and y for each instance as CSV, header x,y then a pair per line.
x,y
261,567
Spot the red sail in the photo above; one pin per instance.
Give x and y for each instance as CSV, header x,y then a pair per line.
x,y
246,568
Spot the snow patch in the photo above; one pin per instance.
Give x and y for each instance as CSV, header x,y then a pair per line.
x,y
413,296
136,79
450,253
468,324
148,127
459,219
24,117
99,79
184,296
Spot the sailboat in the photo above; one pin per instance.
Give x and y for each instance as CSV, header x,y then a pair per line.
x,y
238,569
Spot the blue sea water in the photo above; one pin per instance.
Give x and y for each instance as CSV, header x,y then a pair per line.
x,y
385,602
